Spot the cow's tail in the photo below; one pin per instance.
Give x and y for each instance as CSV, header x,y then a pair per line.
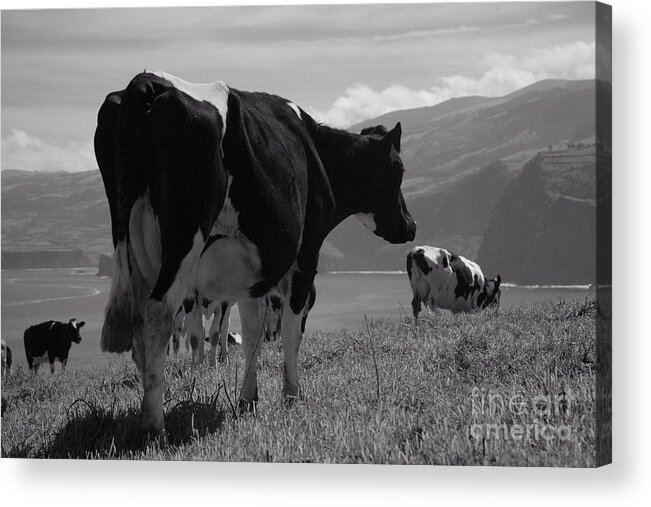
x,y
119,147
120,317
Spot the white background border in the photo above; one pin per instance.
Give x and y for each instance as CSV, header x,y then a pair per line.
x,y
626,481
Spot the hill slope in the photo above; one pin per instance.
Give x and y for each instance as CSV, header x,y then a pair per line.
x,y
46,213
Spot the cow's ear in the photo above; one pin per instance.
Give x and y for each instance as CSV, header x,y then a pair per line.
x,y
498,281
80,324
393,136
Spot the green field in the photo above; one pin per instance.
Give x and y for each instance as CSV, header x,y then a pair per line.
x,y
509,387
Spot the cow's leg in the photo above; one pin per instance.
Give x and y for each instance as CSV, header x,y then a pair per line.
x,y
431,304
158,326
415,306
252,337
175,343
196,333
52,367
291,340
63,364
213,337
138,347
224,325
36,367
197,350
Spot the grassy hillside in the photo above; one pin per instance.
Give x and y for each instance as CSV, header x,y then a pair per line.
x,y
451,390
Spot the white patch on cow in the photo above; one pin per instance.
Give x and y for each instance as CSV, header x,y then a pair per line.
x,y
231,265
144,234
368,220
215,93
235,338
227,222
296,109
73,322
228,269
41,359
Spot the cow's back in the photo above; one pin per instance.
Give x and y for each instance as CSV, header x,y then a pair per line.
x,y
37,338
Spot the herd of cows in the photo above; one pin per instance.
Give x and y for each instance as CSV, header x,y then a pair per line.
x,y
219,196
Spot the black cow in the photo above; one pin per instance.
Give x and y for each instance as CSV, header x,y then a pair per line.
x,y
225,194
49,341
6,358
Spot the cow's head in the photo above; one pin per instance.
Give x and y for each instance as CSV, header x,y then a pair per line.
x,y
72,330
493,292
384,211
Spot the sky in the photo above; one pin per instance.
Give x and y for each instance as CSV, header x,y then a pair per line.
x,y
341,63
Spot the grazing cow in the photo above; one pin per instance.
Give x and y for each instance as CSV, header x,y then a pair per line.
x,y
6,358
49,341
441,279
179,332
196,316
224,194
218,332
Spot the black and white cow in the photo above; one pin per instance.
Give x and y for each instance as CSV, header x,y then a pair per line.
x,y
179,333
6,358
225,194
440,279
219,335
197,314
50,341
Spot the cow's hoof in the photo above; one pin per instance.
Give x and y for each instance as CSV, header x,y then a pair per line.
x,y
156,437
290,400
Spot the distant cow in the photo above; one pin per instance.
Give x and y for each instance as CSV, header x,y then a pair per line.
x,y
196,316
6,358
179,332
50,341
441,279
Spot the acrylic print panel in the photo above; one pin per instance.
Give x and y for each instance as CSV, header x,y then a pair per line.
x,y
398,253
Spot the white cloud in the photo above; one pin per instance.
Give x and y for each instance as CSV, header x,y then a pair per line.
x,y
362,102
505,73
22,151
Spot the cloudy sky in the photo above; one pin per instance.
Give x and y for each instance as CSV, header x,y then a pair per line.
x,y
342,63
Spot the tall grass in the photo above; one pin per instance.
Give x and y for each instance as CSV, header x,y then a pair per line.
x,y
455,390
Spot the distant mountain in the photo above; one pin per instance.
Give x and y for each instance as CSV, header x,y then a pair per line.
x,y
464,186
414,118
543,230
53,212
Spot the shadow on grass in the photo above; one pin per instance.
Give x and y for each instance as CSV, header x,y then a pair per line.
x,y
92,431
